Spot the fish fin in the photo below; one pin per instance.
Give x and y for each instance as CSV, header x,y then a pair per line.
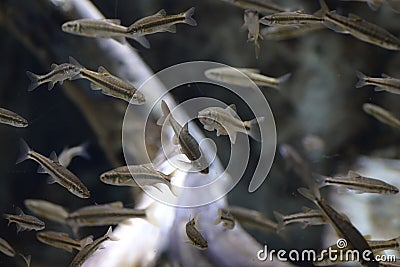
x,y
305,192
353,174
334,27
27,259
51,85
221,131
171,29
142,41
208,128
101,69
19,228
110,236
116,204
343,190
51,180
53,156
41,169
253,127
324,8
114,21
172,174
24,151
196,221
75,62
232,135
304,225
305,209
95,87
384,75
160,14
86,241
283,78
165,111
19,211
188,17
319,180
374,5
119,39
218,220
185,127
53,66
232,109
279,219
34,81
361,82
175,139
354,17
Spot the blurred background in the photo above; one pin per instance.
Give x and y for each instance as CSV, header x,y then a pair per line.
x,y
319,100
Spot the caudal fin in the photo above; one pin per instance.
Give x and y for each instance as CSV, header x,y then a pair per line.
x,y
165,111
188,17
24,151
219,218
34,81
253,128
280,220
283,79
361,79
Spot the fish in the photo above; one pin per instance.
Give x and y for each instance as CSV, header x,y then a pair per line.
x,y
228,221
306,218
187,143
89,249
62,240
227,122
233,76
375,4
58,73
160,22
24,222
291,18
137,175
6,248
252,24
262,6
47,210
110,85
359,28
286,32
27,259
58,173
68,154
251,218
381,114
11,118
102,28
195,237
385,83
342,225
359,184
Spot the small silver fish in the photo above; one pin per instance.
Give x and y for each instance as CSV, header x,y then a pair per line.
x,y
24,222
68,154
195,237
227,122
385,83
143,174
10,118
89,249
62,240
6,248
231,75
58,173
47,210
306,218
262,6
381,114
251,218
359,184
102,28
290,18
228,221
58,73
110,85
359,28
285,32
160,22
252,24
187,143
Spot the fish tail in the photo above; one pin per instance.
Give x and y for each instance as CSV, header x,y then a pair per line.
x,y
27,259
109,234
165,111
312,194
253,128
188,17
374,5
34,80
283,78
24,154
361,79
219,218
324,9
279,219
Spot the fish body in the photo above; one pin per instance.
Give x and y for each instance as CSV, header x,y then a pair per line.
x,y
102,28
227,122
47,210
161,22
68,154
228,221
233,76
89,249
111,85
385,83
58,173
285,32
195,237
187,143
6,248
62,240
24,222
359,28
251,218
58,73
375,4
381,114
290,18
262,6
360,184
10,118
252,24
307,217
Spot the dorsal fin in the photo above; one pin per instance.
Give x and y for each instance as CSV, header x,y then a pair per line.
x,y
53,156
53,66
19,211
103,70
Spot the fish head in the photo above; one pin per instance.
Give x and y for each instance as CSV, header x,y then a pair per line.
x,y
81,191
138,98
71,27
